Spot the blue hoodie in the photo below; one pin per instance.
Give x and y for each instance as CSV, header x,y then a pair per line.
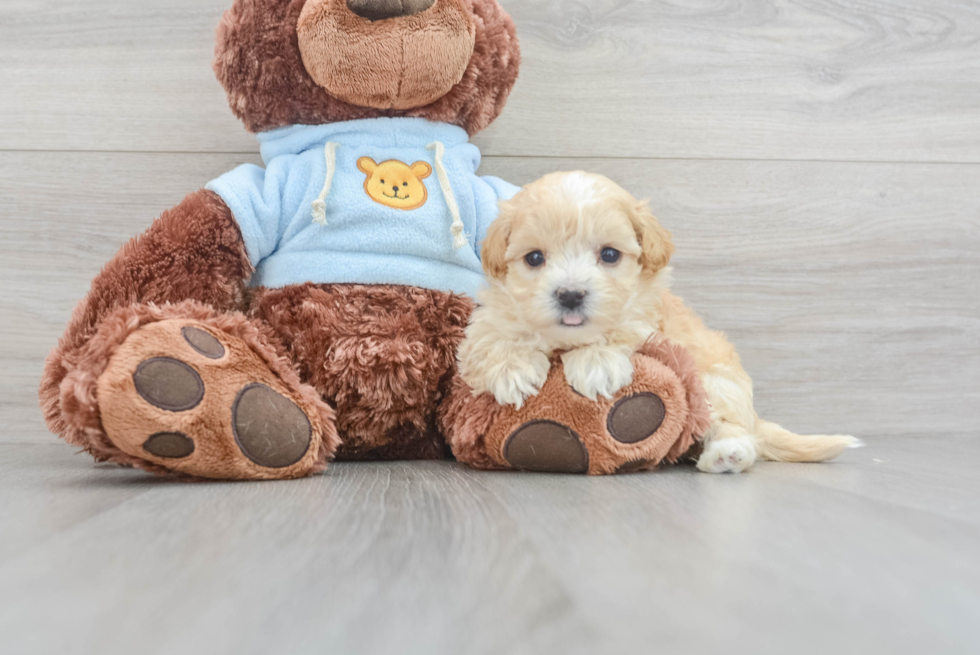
x,y
377,201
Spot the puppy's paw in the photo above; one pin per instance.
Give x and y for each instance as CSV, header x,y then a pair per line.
x,y
732,455
598,370
513,380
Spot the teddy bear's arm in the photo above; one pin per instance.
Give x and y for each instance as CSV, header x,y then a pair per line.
x,y
192,252
258,200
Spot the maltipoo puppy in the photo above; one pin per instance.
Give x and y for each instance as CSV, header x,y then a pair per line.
x,y
576,265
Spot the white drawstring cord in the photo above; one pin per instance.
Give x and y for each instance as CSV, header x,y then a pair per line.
x,y
459,236
320,204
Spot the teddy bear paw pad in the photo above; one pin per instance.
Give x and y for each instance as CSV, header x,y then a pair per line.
x,y
270,429
170,445
548,447
203,342
636,418
169,384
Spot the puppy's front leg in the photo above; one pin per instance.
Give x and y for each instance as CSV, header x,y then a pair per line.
x,y
599,369
515,372
510,370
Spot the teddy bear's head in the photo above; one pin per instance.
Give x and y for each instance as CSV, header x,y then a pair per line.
x,y
286,62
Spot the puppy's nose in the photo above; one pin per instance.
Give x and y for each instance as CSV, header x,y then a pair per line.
x,y
570,298
382,9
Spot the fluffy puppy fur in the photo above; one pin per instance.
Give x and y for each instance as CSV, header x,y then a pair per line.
x,y
578,266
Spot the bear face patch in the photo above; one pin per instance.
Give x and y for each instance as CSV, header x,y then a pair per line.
x,y
395,184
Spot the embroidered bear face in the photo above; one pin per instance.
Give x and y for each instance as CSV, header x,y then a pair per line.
x,y
394,183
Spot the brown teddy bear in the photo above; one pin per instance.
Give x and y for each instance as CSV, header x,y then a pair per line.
x,y
312,309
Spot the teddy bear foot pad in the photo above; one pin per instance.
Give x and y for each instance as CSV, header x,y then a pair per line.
x,y
560,431
193,400
549,446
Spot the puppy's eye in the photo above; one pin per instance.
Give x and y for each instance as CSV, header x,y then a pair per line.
x,y
610,255
404,183
382,181
534,259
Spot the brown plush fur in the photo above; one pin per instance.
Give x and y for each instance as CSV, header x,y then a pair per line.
x,y
680,361
380,354
466,419
259,63
405,442
192,252
78,401
478,427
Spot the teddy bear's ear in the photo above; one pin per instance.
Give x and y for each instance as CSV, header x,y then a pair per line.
x,y
367,165
421,170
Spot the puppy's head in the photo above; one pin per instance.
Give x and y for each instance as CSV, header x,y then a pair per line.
x,y
575,252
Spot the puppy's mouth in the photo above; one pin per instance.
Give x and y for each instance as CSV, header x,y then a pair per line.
x,y
573,320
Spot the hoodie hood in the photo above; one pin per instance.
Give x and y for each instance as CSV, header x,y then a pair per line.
x,y
389,132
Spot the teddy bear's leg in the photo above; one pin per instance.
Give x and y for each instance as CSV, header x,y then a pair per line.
x,y
152,369
382,356
182,388
654,419
192,252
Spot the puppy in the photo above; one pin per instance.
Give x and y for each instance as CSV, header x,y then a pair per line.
x,y
575,264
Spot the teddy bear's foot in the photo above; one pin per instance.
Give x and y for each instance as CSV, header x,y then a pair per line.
x,y
186,396
550,446
653,419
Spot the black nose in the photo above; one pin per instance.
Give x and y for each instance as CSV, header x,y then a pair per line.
x,y
382,9
570,299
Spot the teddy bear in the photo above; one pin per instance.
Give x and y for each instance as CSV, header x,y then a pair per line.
x,y
309,310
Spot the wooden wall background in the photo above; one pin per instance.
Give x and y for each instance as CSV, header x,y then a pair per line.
x,y
817,160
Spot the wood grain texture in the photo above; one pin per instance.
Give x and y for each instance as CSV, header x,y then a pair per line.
x,y
432,558
763,79
850,289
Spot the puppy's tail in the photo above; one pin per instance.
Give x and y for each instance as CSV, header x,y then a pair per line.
x,y
780,445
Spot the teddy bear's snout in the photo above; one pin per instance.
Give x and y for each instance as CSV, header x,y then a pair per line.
x,y
382,9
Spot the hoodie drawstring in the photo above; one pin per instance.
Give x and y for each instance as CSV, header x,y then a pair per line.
x,y
320,204
459,237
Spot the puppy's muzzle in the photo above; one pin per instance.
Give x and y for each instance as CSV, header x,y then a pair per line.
x,y
570,299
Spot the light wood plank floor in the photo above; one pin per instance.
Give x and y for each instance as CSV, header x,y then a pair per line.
x,y
875,553
818,162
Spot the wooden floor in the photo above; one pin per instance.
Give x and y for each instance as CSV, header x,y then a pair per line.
x,y
875,553
818,162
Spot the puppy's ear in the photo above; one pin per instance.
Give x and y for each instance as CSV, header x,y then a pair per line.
x,y
656,242
494,254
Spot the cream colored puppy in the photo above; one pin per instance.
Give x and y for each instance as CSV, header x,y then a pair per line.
x,y
576,264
